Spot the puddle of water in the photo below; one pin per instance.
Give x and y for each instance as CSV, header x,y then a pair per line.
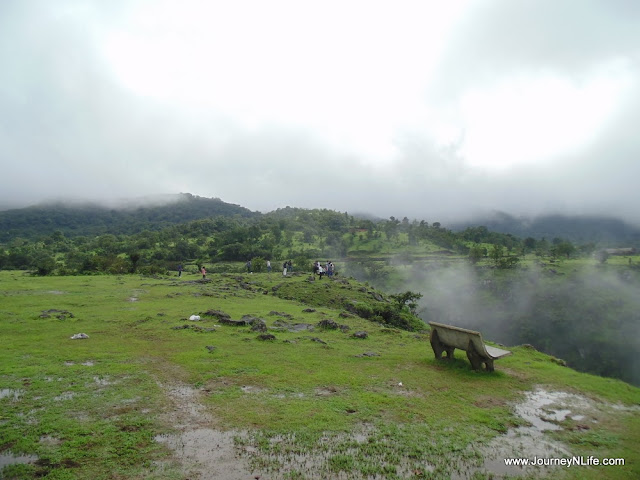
x,y
202,451
537,408
520,442
49,440
88,363
315,463
64,396
251,389
11,393
102,382
207,450
8,458
291,395
625,408
541,409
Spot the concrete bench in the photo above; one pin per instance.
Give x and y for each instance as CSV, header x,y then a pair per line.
x,y
446,338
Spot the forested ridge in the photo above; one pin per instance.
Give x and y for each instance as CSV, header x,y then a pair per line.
x,y
94,219
600,229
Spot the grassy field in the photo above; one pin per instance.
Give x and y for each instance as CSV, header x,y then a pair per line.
x,y
309,403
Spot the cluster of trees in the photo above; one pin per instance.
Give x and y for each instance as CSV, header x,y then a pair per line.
x,y
297,234
505,249
294,232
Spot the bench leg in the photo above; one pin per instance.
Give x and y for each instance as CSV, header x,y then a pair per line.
x,y
477,362
475,359
437,346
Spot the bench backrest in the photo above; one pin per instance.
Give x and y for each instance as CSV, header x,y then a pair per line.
x,y
459,337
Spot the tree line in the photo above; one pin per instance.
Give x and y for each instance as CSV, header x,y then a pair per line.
x,y
297,234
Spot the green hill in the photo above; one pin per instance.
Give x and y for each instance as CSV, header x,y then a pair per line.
x,y
581,229
272,383
93,219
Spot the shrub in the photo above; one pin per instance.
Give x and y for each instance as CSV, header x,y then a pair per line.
x,y
258,264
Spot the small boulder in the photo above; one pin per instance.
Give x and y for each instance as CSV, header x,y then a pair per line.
x,y
328,324
266,336
360,335
217,314
257,325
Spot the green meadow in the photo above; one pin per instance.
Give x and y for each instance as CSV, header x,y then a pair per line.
x,y
299,401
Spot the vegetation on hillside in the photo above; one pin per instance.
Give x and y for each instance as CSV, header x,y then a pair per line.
x,y
583,229
93,219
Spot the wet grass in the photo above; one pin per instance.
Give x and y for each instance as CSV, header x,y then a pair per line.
x,y
312,403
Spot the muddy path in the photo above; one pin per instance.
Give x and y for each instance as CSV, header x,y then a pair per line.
x,y
201,450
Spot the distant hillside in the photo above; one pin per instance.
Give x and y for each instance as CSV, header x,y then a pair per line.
x,y
93,219
601,230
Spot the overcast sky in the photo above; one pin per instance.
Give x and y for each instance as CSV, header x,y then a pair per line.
x,y
429,109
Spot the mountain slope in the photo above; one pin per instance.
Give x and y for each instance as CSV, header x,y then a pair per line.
x,y
601,230
93,219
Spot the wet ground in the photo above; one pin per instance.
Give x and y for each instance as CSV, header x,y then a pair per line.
x,y
202,452
543,411
206,453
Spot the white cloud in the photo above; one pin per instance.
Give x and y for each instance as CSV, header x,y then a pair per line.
x,y
537,119
416,108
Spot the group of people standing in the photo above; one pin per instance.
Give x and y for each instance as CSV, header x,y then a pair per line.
x,y
327,269
287,268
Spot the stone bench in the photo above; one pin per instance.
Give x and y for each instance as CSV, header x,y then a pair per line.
x,y
446,338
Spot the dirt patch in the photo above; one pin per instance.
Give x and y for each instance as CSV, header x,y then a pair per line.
x,y
281,325
252,389
326,391
201,451
59,314
489,402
